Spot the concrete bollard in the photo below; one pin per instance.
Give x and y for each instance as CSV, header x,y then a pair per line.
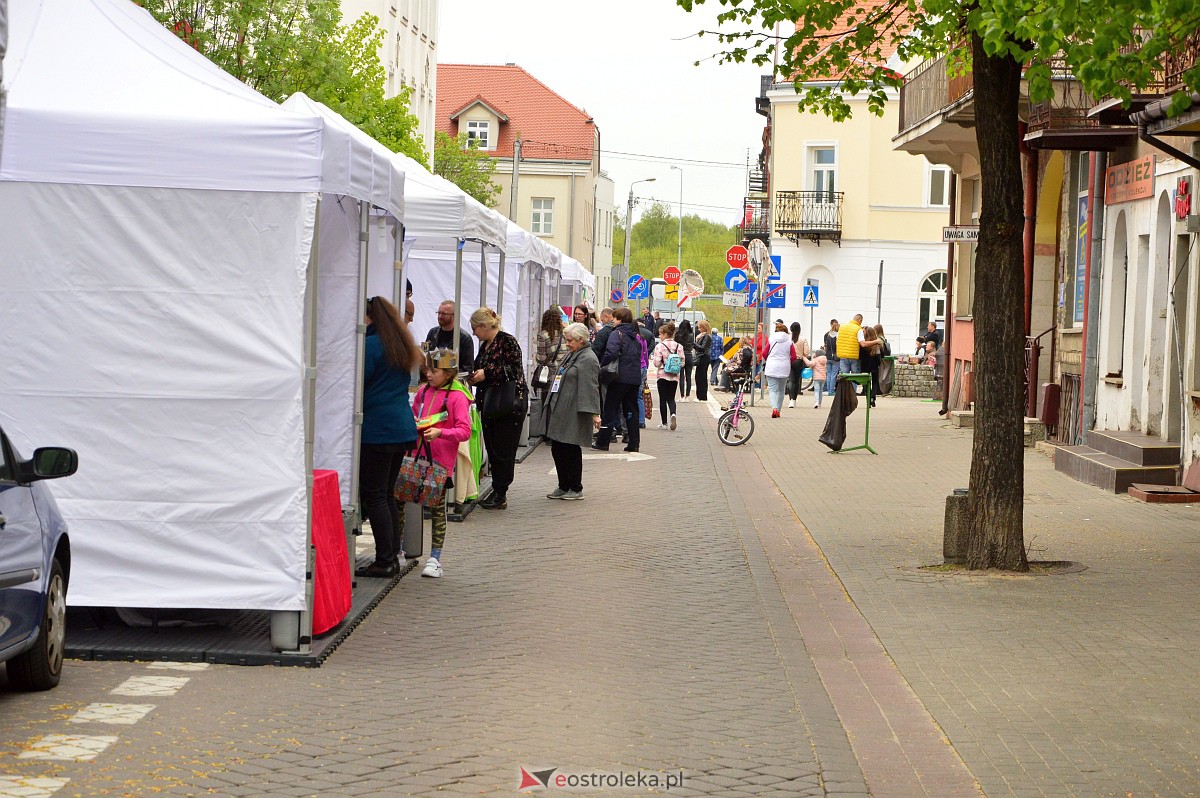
x,y
954,532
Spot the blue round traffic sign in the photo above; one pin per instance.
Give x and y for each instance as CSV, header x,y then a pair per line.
x,y
616,295
736,280
639,287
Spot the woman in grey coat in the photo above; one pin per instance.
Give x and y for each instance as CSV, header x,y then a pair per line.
x,y
571,411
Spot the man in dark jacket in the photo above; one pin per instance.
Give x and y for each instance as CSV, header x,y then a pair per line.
x,y
606,325
620,400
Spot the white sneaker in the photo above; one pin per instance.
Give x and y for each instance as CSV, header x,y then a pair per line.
x,y
433,569
815,407
672,421
791,402
662,425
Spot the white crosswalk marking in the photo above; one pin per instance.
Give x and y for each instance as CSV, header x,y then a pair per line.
x,y
150,685
117,714
71,747
21,787
177,666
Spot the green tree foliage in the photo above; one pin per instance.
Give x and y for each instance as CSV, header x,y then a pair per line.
x,y
655,246
280,47
1113,47
465,166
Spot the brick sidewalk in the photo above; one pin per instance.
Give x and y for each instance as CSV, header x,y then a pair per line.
x,y
1079,684
713,611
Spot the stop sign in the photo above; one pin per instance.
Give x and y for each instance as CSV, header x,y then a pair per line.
x,y
737,257
671,275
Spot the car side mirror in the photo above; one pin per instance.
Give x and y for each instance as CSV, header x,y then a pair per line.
x,y
52,462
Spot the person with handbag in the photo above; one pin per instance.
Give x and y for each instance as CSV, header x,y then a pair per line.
x,y
503,400
571,410
621,373
443,416
388,429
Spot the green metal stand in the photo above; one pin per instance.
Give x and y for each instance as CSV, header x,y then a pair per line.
x,y
865,381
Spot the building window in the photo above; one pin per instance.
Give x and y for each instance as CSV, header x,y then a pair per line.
x,y
542,223
823,171
478,134
938,193
933,302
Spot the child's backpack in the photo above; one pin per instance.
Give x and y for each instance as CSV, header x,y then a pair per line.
x,y
673,363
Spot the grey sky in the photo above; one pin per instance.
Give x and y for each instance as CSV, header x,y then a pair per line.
x,y
629,64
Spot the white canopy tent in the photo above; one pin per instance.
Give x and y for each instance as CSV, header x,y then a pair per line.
x,y
579,281
353,166
154,246
450,240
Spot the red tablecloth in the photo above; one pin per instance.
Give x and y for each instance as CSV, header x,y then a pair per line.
x,y
331,578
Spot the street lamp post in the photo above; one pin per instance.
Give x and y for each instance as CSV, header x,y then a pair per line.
x,y
629,235
679,251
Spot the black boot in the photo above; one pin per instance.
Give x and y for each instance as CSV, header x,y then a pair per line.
x,y
603,439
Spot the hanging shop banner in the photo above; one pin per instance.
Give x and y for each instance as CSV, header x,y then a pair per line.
x,y
1081,227
1132,180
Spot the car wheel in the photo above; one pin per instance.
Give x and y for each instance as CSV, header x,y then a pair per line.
x,y
40,667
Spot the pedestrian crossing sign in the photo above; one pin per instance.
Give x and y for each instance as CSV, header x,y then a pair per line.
x,y
810,296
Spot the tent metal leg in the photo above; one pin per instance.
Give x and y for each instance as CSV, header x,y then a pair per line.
x,y
500,287
483,275
291,631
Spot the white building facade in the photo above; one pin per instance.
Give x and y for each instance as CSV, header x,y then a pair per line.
x,y
843,202
409,53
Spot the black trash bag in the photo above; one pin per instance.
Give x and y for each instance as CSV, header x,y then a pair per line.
x,y
845,402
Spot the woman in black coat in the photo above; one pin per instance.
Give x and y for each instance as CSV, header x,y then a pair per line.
x,y
687,339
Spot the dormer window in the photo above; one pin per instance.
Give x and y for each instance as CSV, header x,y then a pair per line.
x,y
479,134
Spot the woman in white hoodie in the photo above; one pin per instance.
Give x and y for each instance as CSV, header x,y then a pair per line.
x,y
778,366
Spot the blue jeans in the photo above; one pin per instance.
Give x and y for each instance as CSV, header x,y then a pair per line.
x,y
818,391
712,374
777,386
848,366
831,373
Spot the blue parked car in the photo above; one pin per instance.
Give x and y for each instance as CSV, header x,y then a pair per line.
x,y
35,563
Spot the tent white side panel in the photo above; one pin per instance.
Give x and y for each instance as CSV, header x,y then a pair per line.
x,y
158,332
432,275
381,261
337,317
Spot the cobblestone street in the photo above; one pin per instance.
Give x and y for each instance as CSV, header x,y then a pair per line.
x,y
684,619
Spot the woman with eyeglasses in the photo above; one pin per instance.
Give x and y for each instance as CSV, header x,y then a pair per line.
x,y
388,429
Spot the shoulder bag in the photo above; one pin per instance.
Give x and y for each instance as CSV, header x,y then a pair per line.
x,y
508,398
422,479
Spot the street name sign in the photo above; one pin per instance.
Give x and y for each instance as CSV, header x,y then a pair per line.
x,y
961,234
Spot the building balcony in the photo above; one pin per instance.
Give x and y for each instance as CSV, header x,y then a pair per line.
x,y
756,220
929,90
812,215
1065,121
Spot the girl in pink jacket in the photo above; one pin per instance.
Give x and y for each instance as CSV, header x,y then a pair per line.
x,y
819,364
444,420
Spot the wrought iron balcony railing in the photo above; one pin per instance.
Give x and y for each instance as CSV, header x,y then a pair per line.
x,y
811,215
928,89
756,219
1069,106
1180,59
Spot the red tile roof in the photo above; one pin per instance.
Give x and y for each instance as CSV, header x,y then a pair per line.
x,y
899,22
550,127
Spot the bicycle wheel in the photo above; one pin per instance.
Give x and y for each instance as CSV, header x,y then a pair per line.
x,y
735,427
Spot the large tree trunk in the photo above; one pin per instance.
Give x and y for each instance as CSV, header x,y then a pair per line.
x,y
996,535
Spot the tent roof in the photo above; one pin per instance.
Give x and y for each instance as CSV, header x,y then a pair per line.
x,y
101,93
436,208
525,247
353,163
573,271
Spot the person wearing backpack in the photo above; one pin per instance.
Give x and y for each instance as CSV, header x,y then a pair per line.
x,y
715,353
669,360
687,339
621,397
